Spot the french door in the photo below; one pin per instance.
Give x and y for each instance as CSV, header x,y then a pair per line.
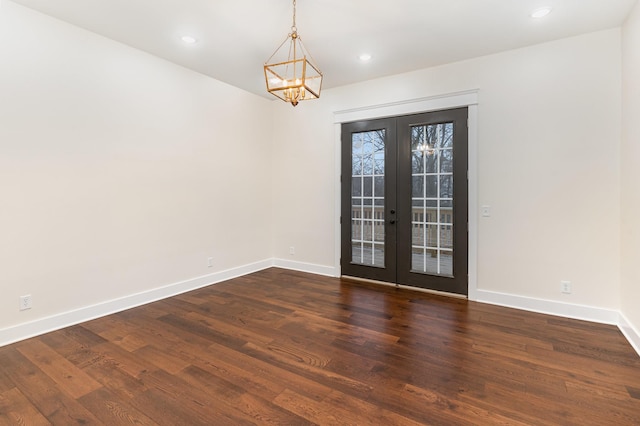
x,y
405,200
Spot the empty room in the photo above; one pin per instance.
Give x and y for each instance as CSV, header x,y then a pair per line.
x,y
292,212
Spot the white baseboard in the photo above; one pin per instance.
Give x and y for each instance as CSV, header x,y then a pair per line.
x,y
328,271
630,332
551,307
566,310
44,325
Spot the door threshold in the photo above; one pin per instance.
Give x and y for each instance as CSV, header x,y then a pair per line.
x,y
405,287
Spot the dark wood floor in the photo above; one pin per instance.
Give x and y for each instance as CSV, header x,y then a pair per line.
x,y
287,348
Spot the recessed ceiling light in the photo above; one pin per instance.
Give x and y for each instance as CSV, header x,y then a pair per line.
x,y
189,39
365,57
540,13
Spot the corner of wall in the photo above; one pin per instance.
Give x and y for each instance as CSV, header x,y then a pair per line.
x,y
630,332
630,175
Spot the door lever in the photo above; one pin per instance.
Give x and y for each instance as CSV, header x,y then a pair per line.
x,y
392,222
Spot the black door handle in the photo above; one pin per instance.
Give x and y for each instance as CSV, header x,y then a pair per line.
x,y
392,222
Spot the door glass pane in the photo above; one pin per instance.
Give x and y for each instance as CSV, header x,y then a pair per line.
x,y
356,229
446,161
417,162
367,208
432,186
356,186
379,162
446,262
417,234
430,163
417,186
446,237
446,186
431,237
432,189
379,187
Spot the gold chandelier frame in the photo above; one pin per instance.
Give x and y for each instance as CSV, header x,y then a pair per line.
x,y
294,77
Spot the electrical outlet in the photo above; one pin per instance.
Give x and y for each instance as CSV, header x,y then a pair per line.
x,y
210,262
565,287
25,302
486,211
292,250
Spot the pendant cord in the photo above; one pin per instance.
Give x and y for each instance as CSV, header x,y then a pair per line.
x,y
293,27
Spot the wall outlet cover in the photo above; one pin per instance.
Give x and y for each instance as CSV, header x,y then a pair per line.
x,y
25,302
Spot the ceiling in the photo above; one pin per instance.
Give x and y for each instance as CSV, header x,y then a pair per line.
x,y
235,37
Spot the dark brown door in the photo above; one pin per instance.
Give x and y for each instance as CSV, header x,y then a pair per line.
x,y
405,200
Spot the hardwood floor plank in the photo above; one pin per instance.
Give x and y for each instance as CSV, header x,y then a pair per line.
x,y
261,375
236,399
75,344
115,330
63,372
117,380
5,382
309,409
171,400
202,331
143,326
285,347
110,409
340,409
16,409
305,323
358,411
233,327
566,411
47,396
609,372
162,359
114,355
236,366
293,359
457,411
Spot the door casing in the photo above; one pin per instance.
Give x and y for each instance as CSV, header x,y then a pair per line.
x,y
398,129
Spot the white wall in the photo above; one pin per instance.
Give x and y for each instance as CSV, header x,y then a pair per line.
x,y
120,173
549,148
631,172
